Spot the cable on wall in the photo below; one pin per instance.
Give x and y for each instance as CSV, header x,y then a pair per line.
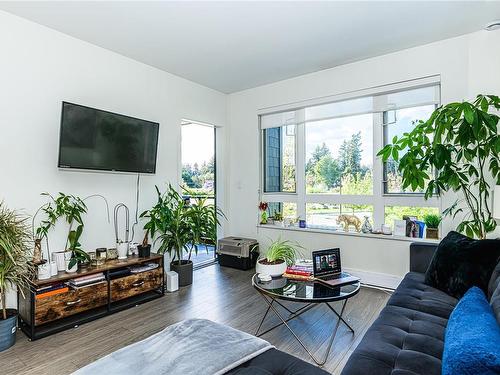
x,y
136,214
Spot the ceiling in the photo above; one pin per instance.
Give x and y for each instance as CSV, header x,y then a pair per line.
x,y
232,46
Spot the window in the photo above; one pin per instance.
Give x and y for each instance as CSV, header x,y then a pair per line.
x,y
320,215
397,212
396,123
319,159
279,155
339,155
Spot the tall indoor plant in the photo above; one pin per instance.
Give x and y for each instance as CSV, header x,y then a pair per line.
x,y
180,227
456,149
15,268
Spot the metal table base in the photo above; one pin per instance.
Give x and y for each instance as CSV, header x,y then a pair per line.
x,y
295,314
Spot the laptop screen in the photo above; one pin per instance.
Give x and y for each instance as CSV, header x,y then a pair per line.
x,y
326,262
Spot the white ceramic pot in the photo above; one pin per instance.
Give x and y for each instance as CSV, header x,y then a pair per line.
x,y
274,270
58,257
72,269
53,268
44,271
122,249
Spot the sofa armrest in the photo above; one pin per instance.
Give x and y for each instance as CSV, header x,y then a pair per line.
x,y
421,254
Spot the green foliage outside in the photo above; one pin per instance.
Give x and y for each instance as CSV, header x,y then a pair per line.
x,y
199,180
327,174
397,212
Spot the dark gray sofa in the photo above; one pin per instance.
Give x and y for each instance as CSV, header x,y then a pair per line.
x,y
408,336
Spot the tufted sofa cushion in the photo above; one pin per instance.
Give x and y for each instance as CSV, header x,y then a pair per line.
x,y
414,294
408,336
494,292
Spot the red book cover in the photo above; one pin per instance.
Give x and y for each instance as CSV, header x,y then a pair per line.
x,y
292,271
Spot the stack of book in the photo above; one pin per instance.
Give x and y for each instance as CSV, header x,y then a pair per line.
x,y
88,280
144,267
299,272
50,290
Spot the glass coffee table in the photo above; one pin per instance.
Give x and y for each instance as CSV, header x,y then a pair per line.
x,y
312,294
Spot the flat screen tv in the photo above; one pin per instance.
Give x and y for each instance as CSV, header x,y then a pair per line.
x,y
100,140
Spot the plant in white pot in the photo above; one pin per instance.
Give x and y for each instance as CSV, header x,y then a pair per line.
x,y
180,227
16,269
279,255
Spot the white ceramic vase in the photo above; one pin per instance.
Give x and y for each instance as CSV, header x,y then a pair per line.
x,y
122,249
72,269
59,258
67,259
44,271
273,270
53,268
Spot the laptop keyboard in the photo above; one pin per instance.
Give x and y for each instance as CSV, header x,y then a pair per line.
x,y
338,276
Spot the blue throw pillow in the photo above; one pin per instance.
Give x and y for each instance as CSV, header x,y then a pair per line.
x,y
472,338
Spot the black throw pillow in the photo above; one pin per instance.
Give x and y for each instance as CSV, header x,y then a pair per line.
x,y
460,263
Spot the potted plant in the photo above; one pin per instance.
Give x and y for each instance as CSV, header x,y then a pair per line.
x,y
279,255
71,208
263,212
432,226
456,149
144,249
180,227
278,218
15,268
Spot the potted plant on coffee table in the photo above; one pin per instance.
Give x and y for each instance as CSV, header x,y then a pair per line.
x,y
180,227
16,269
279,255
432,226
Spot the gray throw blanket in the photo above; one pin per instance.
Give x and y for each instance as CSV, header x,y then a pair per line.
x,y
194,346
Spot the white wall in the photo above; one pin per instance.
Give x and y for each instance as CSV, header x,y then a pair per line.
x,y
39,68
468,65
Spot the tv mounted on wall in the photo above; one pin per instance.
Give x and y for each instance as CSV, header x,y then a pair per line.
x,y
100,140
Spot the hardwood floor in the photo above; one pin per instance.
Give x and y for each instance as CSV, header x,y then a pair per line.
x,y
221,294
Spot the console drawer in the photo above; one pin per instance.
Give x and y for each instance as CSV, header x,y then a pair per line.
x,y
132,285
74,301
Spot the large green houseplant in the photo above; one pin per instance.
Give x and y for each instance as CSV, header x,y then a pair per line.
x,y
456,149
15,268
180,227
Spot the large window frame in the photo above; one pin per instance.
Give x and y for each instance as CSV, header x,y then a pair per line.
x,y
379,199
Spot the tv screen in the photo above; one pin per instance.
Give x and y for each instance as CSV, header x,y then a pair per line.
x,y
100,140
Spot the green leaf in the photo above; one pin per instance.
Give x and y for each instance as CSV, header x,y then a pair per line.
x,y
484,104
395,154
468,113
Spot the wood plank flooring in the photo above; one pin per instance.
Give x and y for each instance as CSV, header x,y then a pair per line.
x,y
221,294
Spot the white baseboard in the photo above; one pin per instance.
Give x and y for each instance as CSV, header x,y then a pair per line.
x,y
382,280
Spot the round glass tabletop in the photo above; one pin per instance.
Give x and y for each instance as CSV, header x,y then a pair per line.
x,y
304,291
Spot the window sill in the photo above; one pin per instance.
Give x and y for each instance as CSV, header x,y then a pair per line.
x,y
352,234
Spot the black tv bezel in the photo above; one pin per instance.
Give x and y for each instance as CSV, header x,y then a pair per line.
x,y
156,124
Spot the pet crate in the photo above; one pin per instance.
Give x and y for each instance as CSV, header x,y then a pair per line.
x,y
238,252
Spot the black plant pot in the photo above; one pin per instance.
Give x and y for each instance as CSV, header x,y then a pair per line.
x,y
8,329
184,270
144,251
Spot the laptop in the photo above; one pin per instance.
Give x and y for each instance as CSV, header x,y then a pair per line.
x,y
327,268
